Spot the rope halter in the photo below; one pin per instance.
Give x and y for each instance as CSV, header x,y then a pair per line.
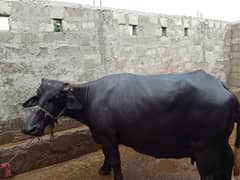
x,y
47,113
54,118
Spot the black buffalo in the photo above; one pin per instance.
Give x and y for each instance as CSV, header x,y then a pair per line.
x,y
165,116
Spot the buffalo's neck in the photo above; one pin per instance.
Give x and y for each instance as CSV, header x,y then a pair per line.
x,y
81,93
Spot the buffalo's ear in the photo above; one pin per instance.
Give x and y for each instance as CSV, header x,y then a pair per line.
x,y
73,103
33,101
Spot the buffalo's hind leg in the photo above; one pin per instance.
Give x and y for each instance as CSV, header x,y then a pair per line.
x,y
227,162
106,167
209,163
215,163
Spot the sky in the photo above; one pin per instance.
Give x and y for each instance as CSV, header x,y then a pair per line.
x,y
4,23
226,10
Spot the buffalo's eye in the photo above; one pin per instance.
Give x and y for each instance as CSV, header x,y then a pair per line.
x,y
59,96
51,99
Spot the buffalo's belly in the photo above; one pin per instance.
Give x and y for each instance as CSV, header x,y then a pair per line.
x,y
165,151
160,146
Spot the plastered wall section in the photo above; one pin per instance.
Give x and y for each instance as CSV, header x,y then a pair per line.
x,y
234,77
96,42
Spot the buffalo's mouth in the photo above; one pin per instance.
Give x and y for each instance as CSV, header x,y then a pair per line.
x,y
34,125
34,130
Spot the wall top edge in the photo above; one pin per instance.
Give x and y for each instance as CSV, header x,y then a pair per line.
x,y
235,22
75,5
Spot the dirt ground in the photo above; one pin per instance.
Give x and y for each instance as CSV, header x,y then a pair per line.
x,y
135,167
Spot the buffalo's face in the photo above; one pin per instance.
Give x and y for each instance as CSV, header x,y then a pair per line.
x,y
49,103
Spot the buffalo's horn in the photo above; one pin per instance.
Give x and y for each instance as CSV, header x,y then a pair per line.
x,y
66,87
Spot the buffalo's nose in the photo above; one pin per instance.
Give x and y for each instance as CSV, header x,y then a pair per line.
x,y
26,129
30,130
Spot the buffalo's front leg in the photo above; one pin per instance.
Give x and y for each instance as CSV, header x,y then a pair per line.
x,y
112,151
106,167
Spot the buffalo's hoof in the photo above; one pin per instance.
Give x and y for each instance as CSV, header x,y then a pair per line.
x,y
104,171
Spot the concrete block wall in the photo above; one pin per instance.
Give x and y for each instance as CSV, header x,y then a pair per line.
x,y
234,77
31,50
207,45
96,42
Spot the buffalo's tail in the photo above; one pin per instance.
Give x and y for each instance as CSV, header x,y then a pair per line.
x,y
237,142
